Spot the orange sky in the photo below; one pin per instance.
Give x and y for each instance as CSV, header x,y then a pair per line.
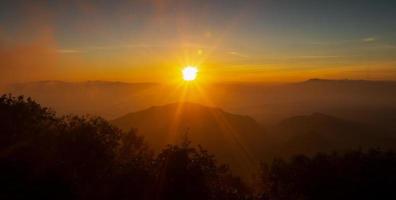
x,y
121,42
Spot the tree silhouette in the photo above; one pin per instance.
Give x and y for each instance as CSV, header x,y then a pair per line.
x,y
44,156
184,172
353,175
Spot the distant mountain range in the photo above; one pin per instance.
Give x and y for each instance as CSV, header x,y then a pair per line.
x,y
356,100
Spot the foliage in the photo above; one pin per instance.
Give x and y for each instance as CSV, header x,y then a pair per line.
x,y
353,175
48,157
188,173
43,156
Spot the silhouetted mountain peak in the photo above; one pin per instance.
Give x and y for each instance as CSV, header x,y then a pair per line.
x,y
185,112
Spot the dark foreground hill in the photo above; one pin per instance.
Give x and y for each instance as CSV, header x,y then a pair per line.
x,y
232,138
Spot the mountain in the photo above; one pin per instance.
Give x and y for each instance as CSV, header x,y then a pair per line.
x,y
241,141
230,137
356,100
318,132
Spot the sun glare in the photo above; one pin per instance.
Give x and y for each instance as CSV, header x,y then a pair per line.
x,y
190,73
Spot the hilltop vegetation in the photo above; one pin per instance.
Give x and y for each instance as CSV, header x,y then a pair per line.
x,y
46,157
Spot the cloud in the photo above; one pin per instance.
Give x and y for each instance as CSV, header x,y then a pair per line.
x,y
317,56
126,46
369,39
68,51
234,53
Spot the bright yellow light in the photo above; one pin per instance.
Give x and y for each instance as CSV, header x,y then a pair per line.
x,y
190,73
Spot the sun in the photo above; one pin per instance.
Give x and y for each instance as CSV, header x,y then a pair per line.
x,y
190,73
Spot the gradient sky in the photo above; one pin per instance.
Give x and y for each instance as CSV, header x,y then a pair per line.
x,y
230,40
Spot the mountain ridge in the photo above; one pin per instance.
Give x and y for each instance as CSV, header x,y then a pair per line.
x,y
231,137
